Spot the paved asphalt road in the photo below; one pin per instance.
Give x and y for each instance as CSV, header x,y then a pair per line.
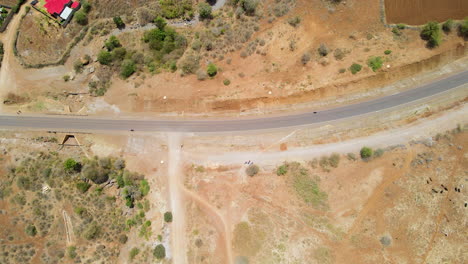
x,y
75,123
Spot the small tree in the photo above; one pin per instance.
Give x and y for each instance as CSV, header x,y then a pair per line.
x,y
168,217
81,18
463,28
159,251
212,70
119,22
252,170
160,23
69,164
431,33
249,6
366,152
128,68
204,9
112,43
86,7
105,57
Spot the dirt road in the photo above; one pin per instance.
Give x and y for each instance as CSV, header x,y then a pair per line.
x,y
178,230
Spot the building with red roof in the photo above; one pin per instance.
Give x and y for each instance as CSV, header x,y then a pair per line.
x,y
56,7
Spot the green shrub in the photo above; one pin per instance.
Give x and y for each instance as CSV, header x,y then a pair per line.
x,y
92,231
463,28
211,70
71,252
355,68
447,26
375,63
252,170
378,153
160,23
401,26
81,18
366,152
128,68
83,186
112,43
123,239
176,8
334,160
168,217
249,6
144,187
431,33
85,6
119,22
79,211
66,78
118,54
204,9
159,251
31,230
387,52
282,170
396,32
134,252
294,21
323,50
226,82
71,165
104,57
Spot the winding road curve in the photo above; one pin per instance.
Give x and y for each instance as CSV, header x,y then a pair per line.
x,y
76,123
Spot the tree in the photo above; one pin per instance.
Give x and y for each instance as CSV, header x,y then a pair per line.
x,y
159,251
431,33
128,68
71,165
105,57
204,9
168,217
81,18
119,22
366,152
252,170
212,70
160,23
86,7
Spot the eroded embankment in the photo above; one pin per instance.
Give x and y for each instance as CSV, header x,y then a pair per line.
x,y
380,79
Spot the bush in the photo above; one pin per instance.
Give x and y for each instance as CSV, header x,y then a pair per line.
x,y
306,58
447,26
401,26
119,54
387,52
96,174
226,82
431,33
92,231
71,165
204,9
252,170
112,43
366,152
128,68
355,68
78,66
396,32
160,23
282,170
334,160
168,217
31,230
134,252
119,22
105,57
378,153
123,239
323,50
211,70
294,21
249,6
86,6
463,28
81,18
339,54
375,63
66,78
144,187
71,252
83,186
189,64
159,251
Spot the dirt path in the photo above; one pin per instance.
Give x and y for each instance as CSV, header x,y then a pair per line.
x,y
68,228
219,220
178,232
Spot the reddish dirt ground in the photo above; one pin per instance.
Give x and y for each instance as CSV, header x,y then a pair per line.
x,y
418,12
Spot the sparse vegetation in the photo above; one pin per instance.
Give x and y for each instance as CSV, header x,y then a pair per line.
x,y
294,21
323,50
134,252
306,187
463,28
282,170
447,26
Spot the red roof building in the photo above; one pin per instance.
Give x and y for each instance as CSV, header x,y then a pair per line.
x,y
55,7
75,5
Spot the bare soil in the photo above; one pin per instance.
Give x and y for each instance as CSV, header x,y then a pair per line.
x,y
418,12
